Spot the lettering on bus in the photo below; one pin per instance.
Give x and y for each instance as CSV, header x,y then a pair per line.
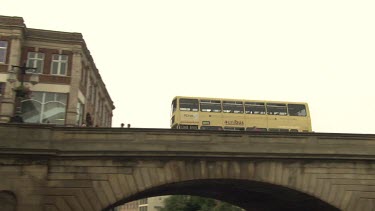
x,y
233,122
190,118
195,116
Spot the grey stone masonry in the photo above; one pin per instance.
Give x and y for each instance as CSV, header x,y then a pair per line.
x,y
71,168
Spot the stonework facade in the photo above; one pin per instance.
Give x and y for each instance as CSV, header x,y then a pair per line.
x,y
70,89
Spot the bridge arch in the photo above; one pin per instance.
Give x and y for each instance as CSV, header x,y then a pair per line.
x,y
252,183
247,194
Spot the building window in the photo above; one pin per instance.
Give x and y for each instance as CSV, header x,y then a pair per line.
x,y
88,90
35,59
2,89
104,118
143,201
59,64
45,107
79,119
143,208
93,94
3,51
97,104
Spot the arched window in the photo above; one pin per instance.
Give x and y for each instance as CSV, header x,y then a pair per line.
x,y
45,107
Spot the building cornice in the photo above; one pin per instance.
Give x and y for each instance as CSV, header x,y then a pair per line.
x,y
11,21
48,35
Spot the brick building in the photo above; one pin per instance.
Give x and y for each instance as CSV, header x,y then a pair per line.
x,y
70,90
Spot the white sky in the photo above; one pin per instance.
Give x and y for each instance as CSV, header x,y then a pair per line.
x,y
148,51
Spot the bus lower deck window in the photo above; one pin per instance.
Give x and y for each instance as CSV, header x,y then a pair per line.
x,y
211,128
256,129
188,127
234,128
183,127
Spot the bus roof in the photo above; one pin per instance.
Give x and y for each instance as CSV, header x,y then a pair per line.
x,y
233,99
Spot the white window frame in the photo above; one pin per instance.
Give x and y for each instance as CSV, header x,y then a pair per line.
x,y
3,48
33,61
61,59
40,114
79,117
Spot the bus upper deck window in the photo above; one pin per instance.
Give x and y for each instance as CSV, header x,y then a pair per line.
x,y
297,110
233,107
276,109
174,105
255,108
210,105
189,104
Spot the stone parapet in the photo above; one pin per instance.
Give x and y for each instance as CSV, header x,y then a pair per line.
x,y
78,168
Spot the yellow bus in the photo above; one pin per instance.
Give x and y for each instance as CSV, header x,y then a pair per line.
x,y
239,115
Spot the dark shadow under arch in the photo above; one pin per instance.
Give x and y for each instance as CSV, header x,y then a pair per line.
x,y
249,195
8,201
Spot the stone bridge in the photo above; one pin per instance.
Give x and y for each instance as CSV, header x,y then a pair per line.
x,y
65,168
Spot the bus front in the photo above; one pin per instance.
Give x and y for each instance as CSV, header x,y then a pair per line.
x,y
184,113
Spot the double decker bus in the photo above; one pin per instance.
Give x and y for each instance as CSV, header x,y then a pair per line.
x,y
239,115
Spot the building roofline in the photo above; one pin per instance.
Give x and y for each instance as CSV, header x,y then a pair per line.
x,y
53,36
12,21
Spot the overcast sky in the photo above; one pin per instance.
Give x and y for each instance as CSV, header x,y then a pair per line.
x,y
147,51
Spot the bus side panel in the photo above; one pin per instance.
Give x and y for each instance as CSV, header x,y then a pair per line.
x,y
280,122
303,123
187,118
233,120
307,123
289,122
257,120
210,119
